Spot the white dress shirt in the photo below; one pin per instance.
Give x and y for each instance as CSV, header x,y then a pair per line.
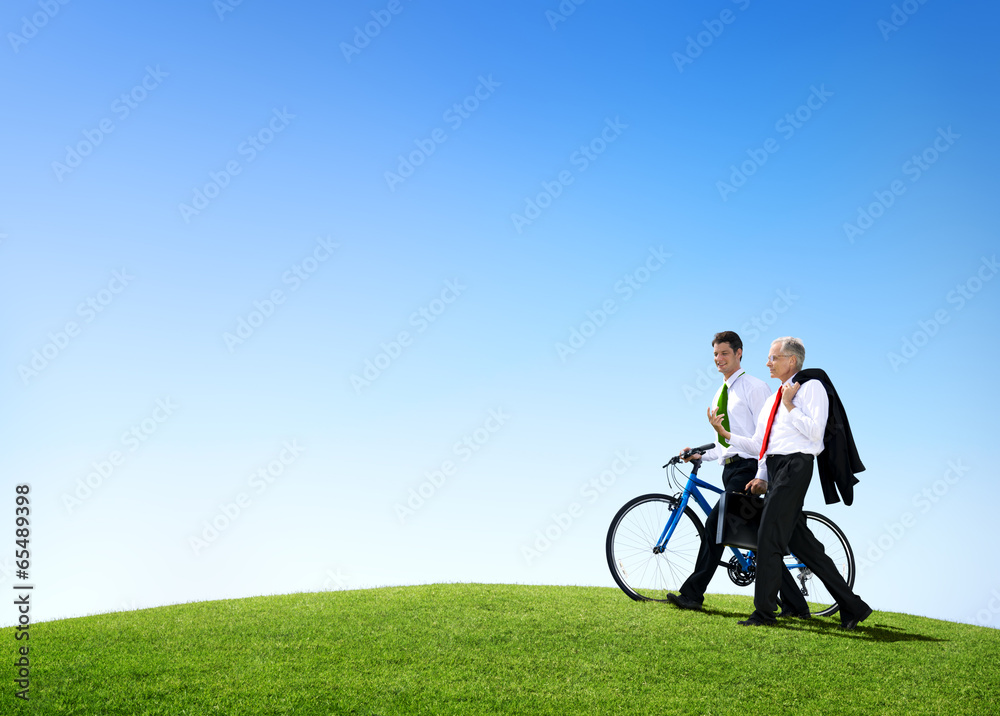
x,y
746,396
799,430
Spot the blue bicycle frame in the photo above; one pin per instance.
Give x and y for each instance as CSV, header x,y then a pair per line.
x,y
691,488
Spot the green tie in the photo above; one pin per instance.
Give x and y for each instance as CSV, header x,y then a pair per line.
x,y
723,403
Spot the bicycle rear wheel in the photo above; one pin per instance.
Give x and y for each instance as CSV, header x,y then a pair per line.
x,y
837,548
642,572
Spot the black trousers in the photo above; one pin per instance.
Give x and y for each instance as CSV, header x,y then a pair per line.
x,y
783,529
735,476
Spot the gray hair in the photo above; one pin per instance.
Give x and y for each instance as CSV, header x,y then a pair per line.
x,y
793,347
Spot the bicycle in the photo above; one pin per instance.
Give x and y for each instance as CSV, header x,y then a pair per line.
x,y
654,539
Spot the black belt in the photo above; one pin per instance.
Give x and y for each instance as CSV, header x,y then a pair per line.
x,y
735,458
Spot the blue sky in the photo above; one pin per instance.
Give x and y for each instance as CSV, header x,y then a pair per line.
x,y
275,268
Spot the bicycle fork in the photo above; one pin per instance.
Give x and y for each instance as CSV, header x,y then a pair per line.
x,y
675,516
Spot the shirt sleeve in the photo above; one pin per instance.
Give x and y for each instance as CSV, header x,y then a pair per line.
x,y
813,409
762,470
751,445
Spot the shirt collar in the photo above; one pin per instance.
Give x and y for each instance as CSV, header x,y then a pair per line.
x,y
731,380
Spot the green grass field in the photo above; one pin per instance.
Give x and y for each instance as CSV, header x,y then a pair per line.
x,y
497,649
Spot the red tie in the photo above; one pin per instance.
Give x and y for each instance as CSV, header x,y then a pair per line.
x,y
770,421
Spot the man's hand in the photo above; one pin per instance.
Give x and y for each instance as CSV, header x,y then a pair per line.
x,y
715,418
788,393
756,487
689,458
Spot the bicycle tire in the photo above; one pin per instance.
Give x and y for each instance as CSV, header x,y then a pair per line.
x,y
837,548
640,572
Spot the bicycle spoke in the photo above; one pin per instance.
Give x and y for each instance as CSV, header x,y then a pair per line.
x,y
837,548
638,570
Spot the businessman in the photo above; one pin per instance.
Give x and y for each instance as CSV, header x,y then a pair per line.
x,y
791,431
738,401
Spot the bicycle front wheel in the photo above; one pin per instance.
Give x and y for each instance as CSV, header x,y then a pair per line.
x,y
643,571
821,602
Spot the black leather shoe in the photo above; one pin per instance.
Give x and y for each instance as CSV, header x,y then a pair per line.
x,y
679,600
754,620
789,613
852,623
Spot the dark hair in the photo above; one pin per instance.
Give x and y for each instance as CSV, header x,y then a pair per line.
x,y
730,337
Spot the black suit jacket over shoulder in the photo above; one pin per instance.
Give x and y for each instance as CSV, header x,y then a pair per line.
x,y
839,460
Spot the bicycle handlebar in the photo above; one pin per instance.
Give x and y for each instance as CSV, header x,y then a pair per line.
x,y
700,449
688,453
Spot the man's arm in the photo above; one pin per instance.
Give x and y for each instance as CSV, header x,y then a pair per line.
x,y
749,445
758,485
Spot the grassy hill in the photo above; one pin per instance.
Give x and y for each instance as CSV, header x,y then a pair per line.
x,y
490,649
